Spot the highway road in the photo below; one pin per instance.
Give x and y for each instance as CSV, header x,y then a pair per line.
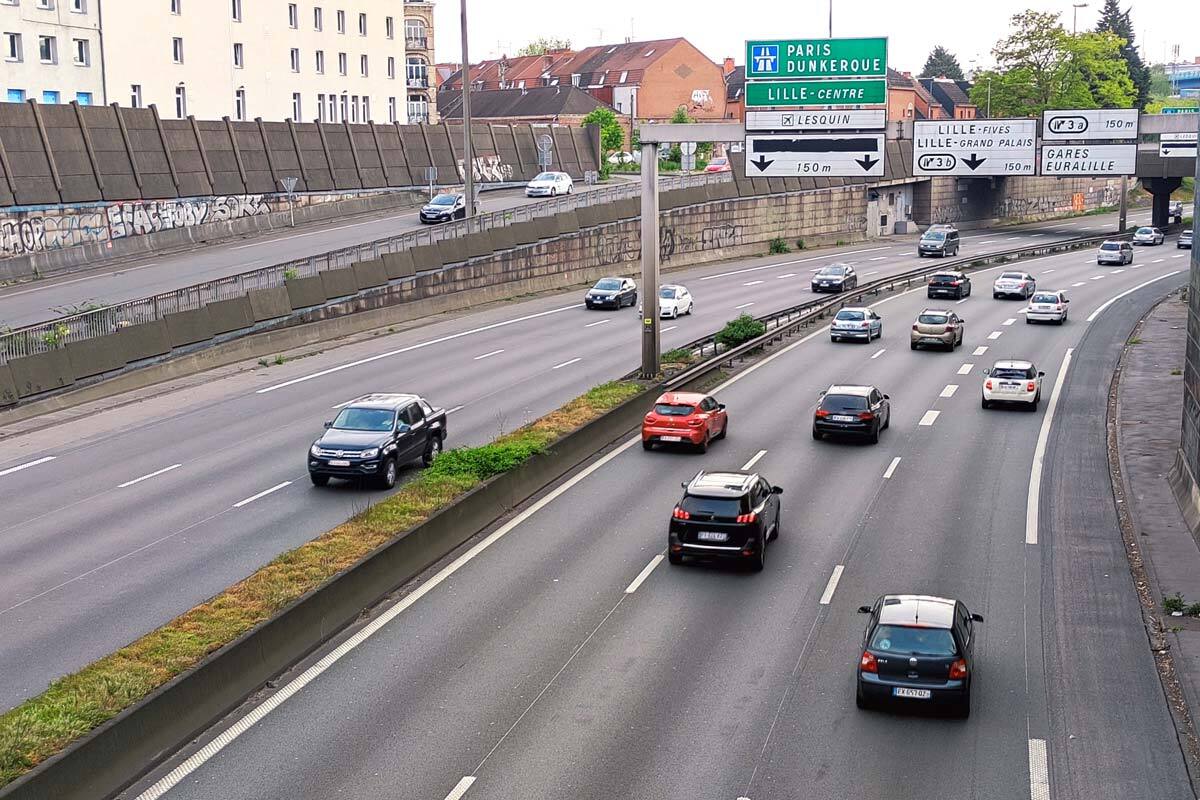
x,y
119,520
29,303
561,657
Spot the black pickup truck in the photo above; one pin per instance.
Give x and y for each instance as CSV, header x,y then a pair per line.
x,y
373,436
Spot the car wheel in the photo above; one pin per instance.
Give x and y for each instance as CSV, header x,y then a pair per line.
x,y
912,345
860,699
553,192
633,302
319,480
647,444
760,560
690,307
873,436
674,558
387,476
995,296
817,434
675,312
724,429
432,451
833,338
703,446
984,402
962,709
1037,399
887,422
1028,321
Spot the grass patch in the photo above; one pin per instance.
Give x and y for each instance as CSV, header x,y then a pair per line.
x,y
778,246
680,355
77,703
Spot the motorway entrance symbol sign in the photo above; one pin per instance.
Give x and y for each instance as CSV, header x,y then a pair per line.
x,y
815,155
1092,159
974,147
865,119
817,58
1089,124
1177,145
795,94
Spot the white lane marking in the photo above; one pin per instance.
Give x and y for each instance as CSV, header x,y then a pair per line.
x,y
11,470
878,353
949,391
343,405
980,350
488,355
965,369
171,779
752,283
645,573
743,305
877,258
1127,292
1039,770
1116,272
831,587
930,417
252,498
567,363
1074,285
1023,311
669,328
1047,271
121,271
785,275
1181,255
1135,266
1157,261
891,470
788,263
302,235
1012,238
148,477
989,241
872,272
960,302
450,411
1095,277
461,787
754,460
995,335
1039,454
594,324
1009,321
411,347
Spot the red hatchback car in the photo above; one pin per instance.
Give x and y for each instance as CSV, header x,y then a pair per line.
x,y
684,417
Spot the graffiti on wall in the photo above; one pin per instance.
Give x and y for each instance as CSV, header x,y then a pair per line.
x,y
38,233
487,168
1030,206
616,248
152,216
714,237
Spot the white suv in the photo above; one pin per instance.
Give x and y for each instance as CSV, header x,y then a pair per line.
x,y
1012,381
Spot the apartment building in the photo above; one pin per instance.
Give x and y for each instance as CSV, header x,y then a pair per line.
x,y
420,80
329,60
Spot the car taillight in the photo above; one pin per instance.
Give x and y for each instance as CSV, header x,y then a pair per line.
x,y
956,283
1029,387
867,663
949,329
679,513
751,517
987,384
695,422
651,418
865,415
959,670
915,326
822,413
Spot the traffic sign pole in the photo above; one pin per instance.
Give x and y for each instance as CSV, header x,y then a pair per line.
x,y
650,332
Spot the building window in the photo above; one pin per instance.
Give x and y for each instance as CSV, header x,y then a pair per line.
x,y
331,114
390,25
177,7
341,21
135,95
83,53
362,24
362,65
296,114
320,108
391,109
80,7
342,62
16,95
47,5
83,98
624,75
239,55
354,108
177,50
237,10
12,47
414,34
293,15
295,56
50,97
320,62
576,78
416,72
418,109
345,108
48,49
391,64
239,104
317,18
366,108
180,102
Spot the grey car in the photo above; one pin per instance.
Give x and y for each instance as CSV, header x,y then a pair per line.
x,y
1113,252
937,327
1146,235
1184,241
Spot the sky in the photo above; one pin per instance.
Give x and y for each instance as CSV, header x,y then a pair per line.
x,y
968,28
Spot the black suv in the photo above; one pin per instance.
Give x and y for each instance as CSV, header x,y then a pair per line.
x,y
374,435
728,515
852,410
949,284
917,650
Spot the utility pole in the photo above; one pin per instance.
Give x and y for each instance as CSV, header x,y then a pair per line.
x,y
1075,15
649,289
830,19
468,161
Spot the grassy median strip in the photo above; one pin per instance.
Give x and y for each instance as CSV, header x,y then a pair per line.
x,y
77,703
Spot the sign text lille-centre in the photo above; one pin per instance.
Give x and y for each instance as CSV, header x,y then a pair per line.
x,y
817,58
815,93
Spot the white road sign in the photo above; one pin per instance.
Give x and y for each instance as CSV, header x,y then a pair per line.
x,y
974,147
815,155
1177,145
1089,124
855,119
1089,159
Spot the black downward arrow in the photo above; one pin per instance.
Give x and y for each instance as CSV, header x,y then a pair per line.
x,y
974,161
866,162
762,163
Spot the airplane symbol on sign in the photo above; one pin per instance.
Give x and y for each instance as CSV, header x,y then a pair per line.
x,y
789,120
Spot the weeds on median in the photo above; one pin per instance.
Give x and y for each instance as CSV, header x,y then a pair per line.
x,y
77,703
778,246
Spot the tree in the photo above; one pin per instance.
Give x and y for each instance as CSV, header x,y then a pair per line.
x,y
1115,21
543,45
1160,82
703,149
612,135
942,62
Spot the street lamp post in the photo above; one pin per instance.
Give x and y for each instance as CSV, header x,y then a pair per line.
x,y
1075,15
468,161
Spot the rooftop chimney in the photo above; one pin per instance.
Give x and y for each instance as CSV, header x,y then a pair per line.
x,y
728,65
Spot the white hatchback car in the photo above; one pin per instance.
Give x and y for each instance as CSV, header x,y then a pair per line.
x,y
674,300
855,323
550,184
1012,381
1047,307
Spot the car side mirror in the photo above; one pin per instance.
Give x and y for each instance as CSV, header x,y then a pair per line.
x,y
987,370
864,609
1065,300
684,484
977,617
776,490
887,397
720,406
403,427
328,425
1041,374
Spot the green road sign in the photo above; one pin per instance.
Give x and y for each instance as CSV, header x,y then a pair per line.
x,y
817,58
788,94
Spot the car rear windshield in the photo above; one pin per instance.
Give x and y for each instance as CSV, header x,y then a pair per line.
x,y
932,319
1012,373
943,279
608,284
364,419
1110,246
913,641
1145,230
716,506
1045,298
443,200
1011,276
843,402
854,315
673,410
934,236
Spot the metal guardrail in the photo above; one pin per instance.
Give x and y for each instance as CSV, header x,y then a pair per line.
x,y
91,323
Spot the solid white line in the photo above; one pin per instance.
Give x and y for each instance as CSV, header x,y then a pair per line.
x,y
11,470
567,363
645,573
754,460
148,477
965,369
930,417
980,350
1009,321
1127,292
743,305
789,263
785,275
878,353
669,328
949,391
412,347
488,355
1039,770
960,302
752,283
995,335
594,324
251,499
891,470
1039,453
461,788
450,411
1074,285
831,587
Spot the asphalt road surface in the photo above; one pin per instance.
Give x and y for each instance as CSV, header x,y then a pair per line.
x,y
561,657
121,519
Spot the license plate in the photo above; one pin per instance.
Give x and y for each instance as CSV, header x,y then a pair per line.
x,y
671,438
712,536
914,694
339,462
1011,388
932,341
841,418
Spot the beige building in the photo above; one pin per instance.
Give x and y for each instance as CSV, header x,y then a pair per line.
x,y
332,60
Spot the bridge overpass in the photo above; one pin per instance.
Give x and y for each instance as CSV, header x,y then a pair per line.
x,y
1161,176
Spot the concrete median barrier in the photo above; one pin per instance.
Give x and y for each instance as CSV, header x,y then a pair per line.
x,y
525,232
230,315
306,292
339,282
188,327
368,274
399,265
144,341
566,222
426,257
546,227
478,244
503,238
452,251
267,304
589,216
96,356
42,373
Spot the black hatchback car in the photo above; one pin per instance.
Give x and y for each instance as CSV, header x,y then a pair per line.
x,y
444,208
917,650
955,285
611,293
834,278
852,411
725,515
